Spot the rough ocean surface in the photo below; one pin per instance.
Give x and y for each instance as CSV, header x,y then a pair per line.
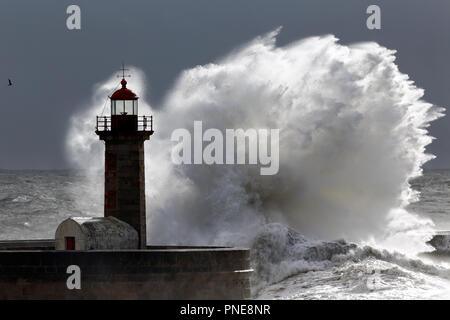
x,y
33,203
287,264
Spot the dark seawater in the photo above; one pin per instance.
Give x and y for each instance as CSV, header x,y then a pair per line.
x,y
434,203
33,203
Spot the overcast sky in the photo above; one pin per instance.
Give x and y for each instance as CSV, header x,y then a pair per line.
x,y
54,69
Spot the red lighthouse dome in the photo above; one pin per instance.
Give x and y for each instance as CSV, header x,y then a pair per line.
x,y
124,93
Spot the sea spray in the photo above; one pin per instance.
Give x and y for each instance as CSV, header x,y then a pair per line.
x,y
352,135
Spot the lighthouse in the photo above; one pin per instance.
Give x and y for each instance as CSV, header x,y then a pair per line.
x,y
95,257
124,134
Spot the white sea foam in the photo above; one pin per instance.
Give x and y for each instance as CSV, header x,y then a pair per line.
x,y
290,266
22,198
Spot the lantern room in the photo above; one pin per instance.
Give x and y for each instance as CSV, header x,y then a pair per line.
x,y
124,101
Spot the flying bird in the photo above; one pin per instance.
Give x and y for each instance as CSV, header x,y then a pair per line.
x,y
9,82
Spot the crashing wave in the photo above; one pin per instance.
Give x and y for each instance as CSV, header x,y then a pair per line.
x,y
290,264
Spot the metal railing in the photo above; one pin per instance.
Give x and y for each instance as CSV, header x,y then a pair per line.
x,y
103,124
144,123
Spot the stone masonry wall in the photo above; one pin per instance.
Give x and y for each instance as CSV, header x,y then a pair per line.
x,y
130,274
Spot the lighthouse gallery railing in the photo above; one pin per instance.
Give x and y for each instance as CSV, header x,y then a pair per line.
x,y
145,123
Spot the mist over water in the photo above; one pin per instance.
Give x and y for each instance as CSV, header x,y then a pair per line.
x,y
353,131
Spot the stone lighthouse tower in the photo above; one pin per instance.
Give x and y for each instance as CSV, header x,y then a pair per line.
x,y
124,133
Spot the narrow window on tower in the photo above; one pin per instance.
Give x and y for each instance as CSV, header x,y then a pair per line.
x,y
111,200
110,161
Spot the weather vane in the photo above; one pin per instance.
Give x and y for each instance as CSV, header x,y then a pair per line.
x,y
123,71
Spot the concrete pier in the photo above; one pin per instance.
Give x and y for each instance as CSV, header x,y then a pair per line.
x,y
152,273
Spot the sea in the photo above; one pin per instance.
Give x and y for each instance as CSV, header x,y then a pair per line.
x,y
287,265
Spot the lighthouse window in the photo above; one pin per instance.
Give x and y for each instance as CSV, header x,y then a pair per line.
x,y
129,107
111,200
135,107
120,106
124,106
110,160
117,107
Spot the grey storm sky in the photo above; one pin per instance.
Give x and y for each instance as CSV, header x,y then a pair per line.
x,y
54,69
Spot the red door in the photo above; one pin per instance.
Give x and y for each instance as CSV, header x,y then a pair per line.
x,y
70,243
